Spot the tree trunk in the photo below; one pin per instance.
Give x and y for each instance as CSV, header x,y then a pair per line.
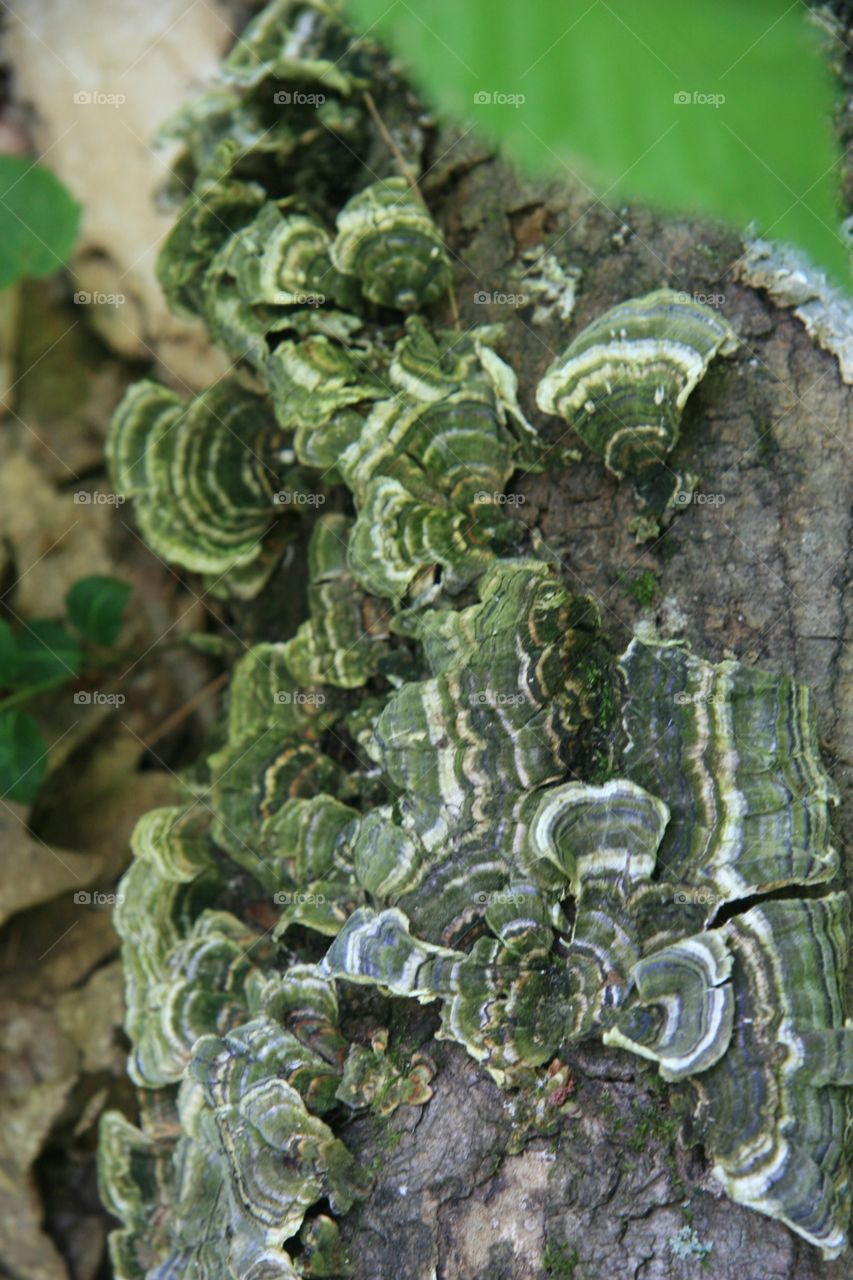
x,y
468,1187
611,1187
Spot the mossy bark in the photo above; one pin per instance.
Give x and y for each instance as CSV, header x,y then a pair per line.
x,y
761,573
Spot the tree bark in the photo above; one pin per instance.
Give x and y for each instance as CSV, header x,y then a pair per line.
x,y
464,1190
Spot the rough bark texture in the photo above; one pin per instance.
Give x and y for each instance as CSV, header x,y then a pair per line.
x,y
762,576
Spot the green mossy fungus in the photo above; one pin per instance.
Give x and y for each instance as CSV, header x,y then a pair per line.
x,y
522,828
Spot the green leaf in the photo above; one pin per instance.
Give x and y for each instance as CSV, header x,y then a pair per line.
x,y
38,220
96,607
23,757
46,652
721,108
39,653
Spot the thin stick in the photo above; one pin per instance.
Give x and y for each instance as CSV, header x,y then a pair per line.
x,y
410,178
178,717
454,308
392,146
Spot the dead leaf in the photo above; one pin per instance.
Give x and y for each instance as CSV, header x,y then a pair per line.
x,y
33,871
91,1015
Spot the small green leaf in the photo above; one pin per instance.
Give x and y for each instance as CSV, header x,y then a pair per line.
x,y
38,220
39,653
23,757
719,109
96,608
46,653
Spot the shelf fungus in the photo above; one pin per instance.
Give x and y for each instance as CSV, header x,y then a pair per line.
x,y
203,490
736,758
623,382
224,1170
454,426
305,41
440,776
388,240
257,1082
400,544
751,1017
747,1015
371,1078
322,391
272,275
343,642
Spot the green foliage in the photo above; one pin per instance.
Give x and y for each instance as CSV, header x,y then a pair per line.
x,y
643,588
44,654
39,654
652,1124
38,220
720,109
23,757
560,1260
96,608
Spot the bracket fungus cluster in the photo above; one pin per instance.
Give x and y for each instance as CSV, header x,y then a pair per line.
x,y
443,782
